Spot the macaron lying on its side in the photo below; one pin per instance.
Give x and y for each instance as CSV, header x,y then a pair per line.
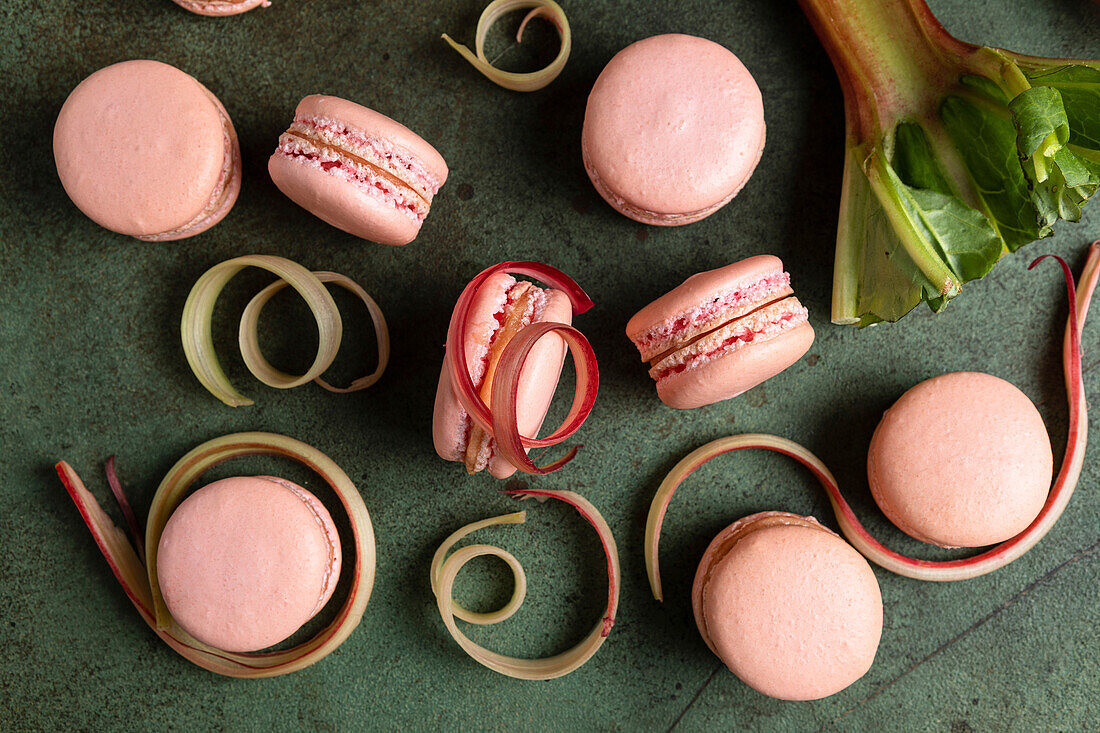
x,y
673,129
722,332
245,561
791,608
221,7
357,169
146,150
501,308
961,460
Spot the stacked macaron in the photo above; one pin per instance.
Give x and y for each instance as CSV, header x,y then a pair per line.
x,y
221,7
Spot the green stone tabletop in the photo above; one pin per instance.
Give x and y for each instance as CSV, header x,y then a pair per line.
x,y
92,365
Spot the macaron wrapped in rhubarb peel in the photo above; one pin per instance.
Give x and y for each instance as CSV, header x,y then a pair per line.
x,y
673,128
501,308
722,332
790,608
961,460
357,169
244,562
145,150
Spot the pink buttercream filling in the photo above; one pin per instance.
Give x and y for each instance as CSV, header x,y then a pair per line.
x,y
397,160
655,340
373,185
738,339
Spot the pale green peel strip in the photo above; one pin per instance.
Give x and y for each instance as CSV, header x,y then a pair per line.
x,y
445,569
140,582
519,82
198,313
269,375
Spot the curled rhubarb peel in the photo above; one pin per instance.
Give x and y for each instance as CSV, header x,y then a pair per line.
x,y
139,580
519,82
850,525
587,384
262,370
445,568
509,442
955,154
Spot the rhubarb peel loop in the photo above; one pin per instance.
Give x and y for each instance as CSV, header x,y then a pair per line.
x,y
853,530
511,363
445,569
519,82
198,342
262,370
139,581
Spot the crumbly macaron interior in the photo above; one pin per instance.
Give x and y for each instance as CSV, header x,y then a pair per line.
x,y
523,305
379,168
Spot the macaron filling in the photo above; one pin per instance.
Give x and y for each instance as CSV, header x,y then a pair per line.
x,y
379,168
522,305
225,191
721,308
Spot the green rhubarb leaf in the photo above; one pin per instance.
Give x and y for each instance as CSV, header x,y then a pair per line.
x,y
1079,87
1060,182
985,138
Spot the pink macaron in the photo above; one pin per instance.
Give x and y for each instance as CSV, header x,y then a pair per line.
x,y
722,332
673,129
221,7
501,308
357,169
961,460
146,150
790,607
245,561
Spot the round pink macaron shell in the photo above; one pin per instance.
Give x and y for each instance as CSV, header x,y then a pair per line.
x,y
703,287
737,371
794,611
245,561
673,125
139,147
221,9
961,460
537,383
342,203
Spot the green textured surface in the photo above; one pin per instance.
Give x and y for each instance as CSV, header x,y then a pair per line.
x,y
92,365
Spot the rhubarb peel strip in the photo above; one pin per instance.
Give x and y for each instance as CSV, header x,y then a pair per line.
x,y
262,369
445,569
850,525
519,82
139,581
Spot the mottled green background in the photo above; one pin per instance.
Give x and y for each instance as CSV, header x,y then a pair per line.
x,y
91,365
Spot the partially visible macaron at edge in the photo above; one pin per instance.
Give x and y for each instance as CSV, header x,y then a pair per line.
x,y
502,307
790,608
673,129
244,562
722,332
144,149
221,7
961,460
358,170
